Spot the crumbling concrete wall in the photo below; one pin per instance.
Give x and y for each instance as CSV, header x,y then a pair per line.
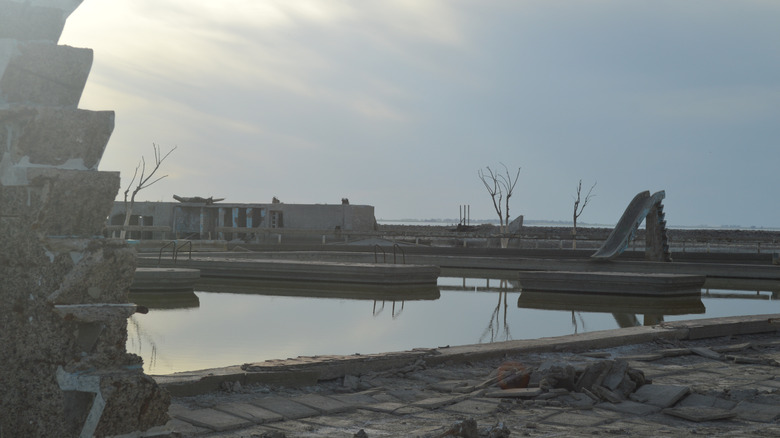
x,y
64,370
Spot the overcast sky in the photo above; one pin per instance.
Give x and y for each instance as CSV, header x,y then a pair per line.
x,y
398,103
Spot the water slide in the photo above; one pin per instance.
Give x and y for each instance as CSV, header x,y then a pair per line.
x,y
624,231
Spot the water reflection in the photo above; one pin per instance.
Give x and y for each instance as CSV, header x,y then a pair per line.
x,y
624,309
234,323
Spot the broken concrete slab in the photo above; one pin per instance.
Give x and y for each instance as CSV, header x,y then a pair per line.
x,y
210,418
663,396
757,412
474,407
249,412
449,385
437,402
385,407
323,404
615,375
630,407
700,400
700,413
706,352
574,419
286,407
514,393
577,400
357,399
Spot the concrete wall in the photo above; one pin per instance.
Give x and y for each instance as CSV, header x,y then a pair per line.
x,y
186,219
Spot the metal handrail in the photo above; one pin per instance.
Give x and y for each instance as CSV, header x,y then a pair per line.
x,y
177,249
384,255
159,258
402,252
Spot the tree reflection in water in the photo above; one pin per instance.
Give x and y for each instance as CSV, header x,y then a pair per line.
x,y
495,325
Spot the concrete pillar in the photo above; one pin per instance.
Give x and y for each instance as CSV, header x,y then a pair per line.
x,y
64,305
221,221
202,223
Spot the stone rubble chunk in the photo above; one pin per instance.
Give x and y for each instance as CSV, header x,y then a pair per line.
x,y
607,395
615,376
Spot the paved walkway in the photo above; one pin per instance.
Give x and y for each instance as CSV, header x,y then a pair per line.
x,y
722,386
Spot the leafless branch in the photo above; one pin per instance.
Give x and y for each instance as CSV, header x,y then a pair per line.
x,y
144,180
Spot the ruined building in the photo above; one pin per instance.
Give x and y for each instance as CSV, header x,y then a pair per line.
x,y
222,220
64,370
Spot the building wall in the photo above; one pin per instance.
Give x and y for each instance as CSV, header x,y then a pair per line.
x,y
189,219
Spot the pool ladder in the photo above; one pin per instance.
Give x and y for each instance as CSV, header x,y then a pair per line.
x,y
384,255
175,250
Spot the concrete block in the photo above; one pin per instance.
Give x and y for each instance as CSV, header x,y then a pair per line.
x,y
663,396
66,138
700,413
249,412
23,21
60,214
591,375
615,376
287,408
209,418
60,75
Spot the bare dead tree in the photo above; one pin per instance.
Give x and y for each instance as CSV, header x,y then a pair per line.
x,y
500,187
579,208
144,180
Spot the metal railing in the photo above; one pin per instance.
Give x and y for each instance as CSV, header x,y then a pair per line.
x,y
384,255
175,250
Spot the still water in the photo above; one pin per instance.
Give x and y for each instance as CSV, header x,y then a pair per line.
x,y
207,329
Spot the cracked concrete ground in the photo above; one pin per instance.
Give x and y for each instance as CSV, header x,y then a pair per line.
x,y
722,386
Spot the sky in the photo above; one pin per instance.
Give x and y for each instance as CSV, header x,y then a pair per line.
x,y
398,104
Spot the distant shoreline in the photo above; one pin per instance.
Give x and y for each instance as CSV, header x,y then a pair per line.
x,y
530,231
560,224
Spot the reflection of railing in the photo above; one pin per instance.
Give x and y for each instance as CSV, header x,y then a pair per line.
x,y
175,250
392,311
